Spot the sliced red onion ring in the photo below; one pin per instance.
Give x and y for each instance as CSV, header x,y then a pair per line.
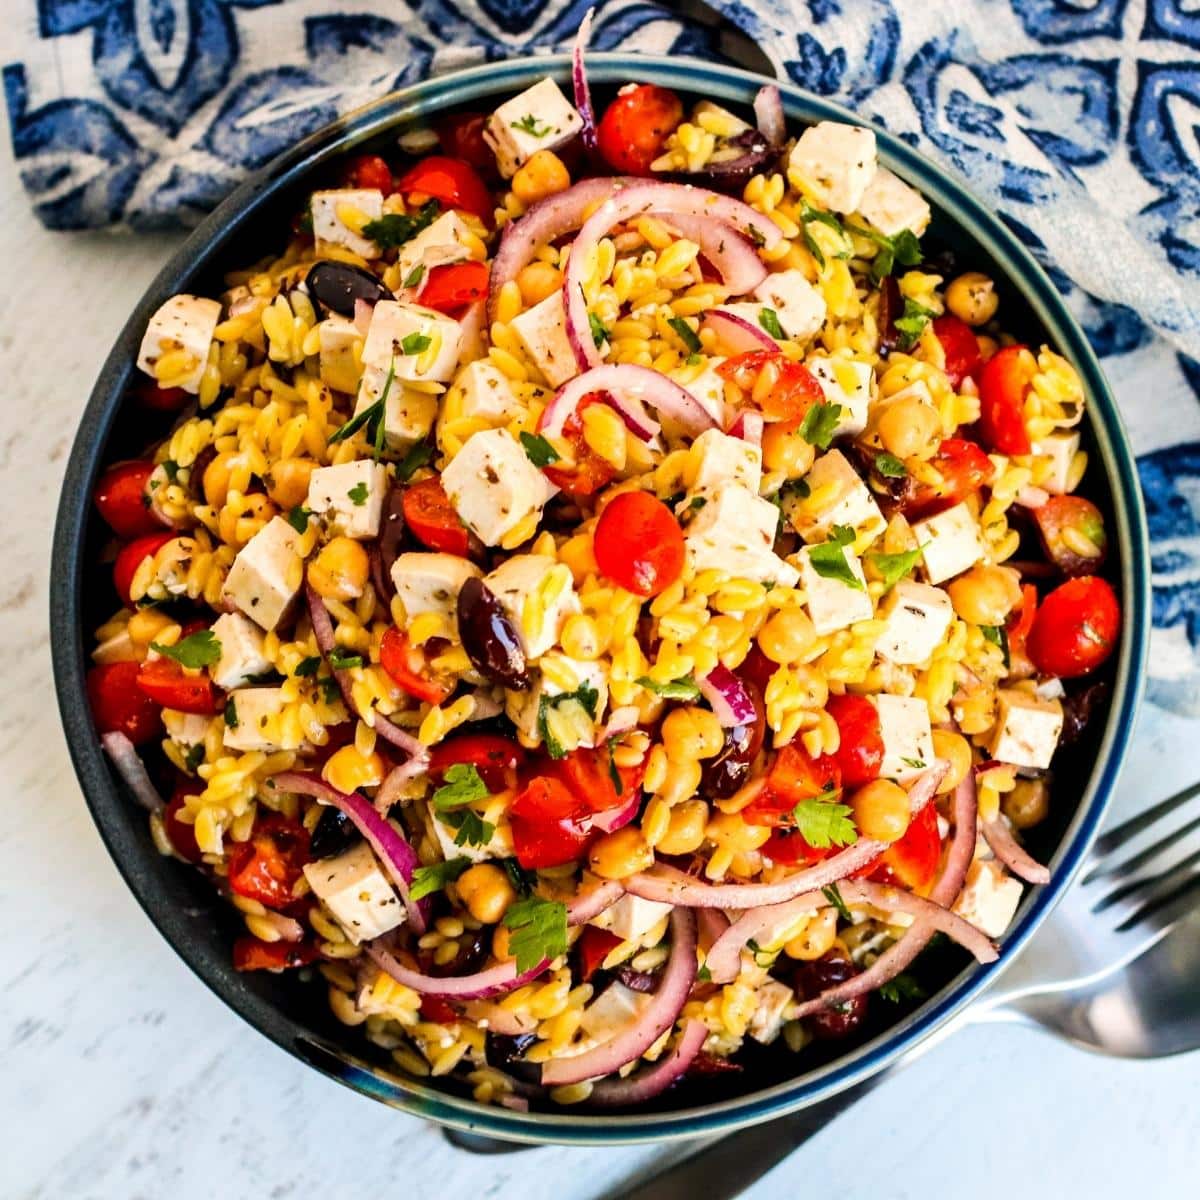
x,y
612,819
495,981
727,697
627,386
582,908
392,787
724,958
736,334
513,1103
711,924
733,255
768,113
657,1017
635,201
1011,853
579,81
749,427
132,770
399,859
654,1080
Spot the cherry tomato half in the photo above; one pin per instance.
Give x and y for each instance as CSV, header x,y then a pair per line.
x,y
549,825
1065,523
168,684
795,775
791,850
122,499
452,183
587,775
638,544
590,472
160,399
180,834
913,860
429,513
964,468
796,388
592,948
132,556
860,752
635,127
493,756
369,171
461,136
119,705
1003,386
450,288
1020,622
266,867
961,348
1076,627
409,669
251,954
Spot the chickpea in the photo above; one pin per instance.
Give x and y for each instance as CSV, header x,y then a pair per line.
x,y
486,891
685,832
985,595
953,748
287,481
817,939
340,571
785,450
733,833
1028,804
543,175
972,298
881,810
538,280
908,426
621,854
216,479
692,733
788,636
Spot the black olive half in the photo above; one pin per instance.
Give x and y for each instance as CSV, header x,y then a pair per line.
x,y
335,834
338,285
490,639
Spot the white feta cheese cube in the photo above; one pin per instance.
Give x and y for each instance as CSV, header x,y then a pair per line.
x,y
408,414
341,368
767,1021
542,332
181,323
798,305
836,496
1027,729
1060,448
631,917
185,729
989,898
337,215
118,648
615,1009
242,656
418,344
356,891
834,604
493,485
892,206
537,593
251,719
431,582
847,383
835,162
722,460
951,542
500,844
917,616
266,574
444,241
734,532
540,118
907,736
708,388
350,497
486,392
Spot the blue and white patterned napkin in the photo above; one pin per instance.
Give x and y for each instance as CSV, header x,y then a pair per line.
x,y
1078,120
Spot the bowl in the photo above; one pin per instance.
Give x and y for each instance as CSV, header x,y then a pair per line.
x,y
198,924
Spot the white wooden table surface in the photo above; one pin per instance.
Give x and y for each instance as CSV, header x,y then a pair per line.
x,y
122,1076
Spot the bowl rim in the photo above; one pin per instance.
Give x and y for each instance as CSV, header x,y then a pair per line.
x,y
411,106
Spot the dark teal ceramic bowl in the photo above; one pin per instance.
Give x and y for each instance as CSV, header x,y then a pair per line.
x,y
197,923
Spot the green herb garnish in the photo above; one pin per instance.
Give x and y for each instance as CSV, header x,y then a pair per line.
x,y
530,124
414,276
599,331
394,229
358,494
834,897
809,214
704,975
415,343
915,763
901,987
894,567
523,880
462,785
889,466
768,318
678,689
199,649
340,659
911,323
903,248
471,829
820,424
998,636
298,518
307,666
538,931
686,334
417,457
372,417
829,559
585,695
538,450
231,713
194,757
823,824
614,773
427,880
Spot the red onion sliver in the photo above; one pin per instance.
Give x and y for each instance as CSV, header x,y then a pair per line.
x,y
393,783
711,924
768,113
612,819
653,1080
657,1017
736,334
1008,850
399,859
584,907
579,82
727,697
132,770
749,427
724,958
495,981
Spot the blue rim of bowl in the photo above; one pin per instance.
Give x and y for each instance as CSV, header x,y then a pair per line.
x,y
412,106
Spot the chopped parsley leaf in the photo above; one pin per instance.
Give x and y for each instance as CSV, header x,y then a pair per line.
x,y
415,343
298,518
998,636
889,466
697,503
372,417
820,424
903,248
538,450
901,987
394,229
911,323
330,692
678,689
829,559
687,335
537,931
170,469
523,880
462,786
809,214
199,649
704,975
194,757
358,494
307,666
599,330
693,360
472,829
231,713
414,276
427,880
834,897
768,318
823,824
531,125
894,567
614,773
586,696
341,660
417,457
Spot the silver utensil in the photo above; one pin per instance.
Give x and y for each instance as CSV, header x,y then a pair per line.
x,y
1102,974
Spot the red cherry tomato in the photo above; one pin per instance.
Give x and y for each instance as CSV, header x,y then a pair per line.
x,y
590,472
592,948
635,127
757,668
439,1011
131,557
1076,628
1020,622
860,754
181,835
452,183
587,775
409,669
431,516
1003,386
796,388
794,776
160,399
370,171
964,468
791,850
549,825
250,954
122,499
961,348
451,288
168,684
461,136
1064,518
493,756
638,544
913,860
119,705
267,866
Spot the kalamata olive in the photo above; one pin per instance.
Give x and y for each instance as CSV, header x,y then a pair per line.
x,y
391,538
197,469
507,1054
812,978
1079,708
637,981
472,950
891,308
490,639
337,285
335,834
723,774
